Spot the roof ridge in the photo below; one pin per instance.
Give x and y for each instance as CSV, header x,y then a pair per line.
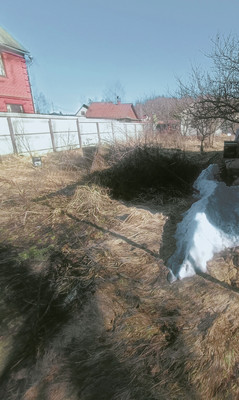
x,y
110,110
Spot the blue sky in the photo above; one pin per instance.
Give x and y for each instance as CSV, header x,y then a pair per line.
x,y
82,48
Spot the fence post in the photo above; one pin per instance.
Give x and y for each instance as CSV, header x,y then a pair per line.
x,y
98,132
78,131
52,134
12,136
135,132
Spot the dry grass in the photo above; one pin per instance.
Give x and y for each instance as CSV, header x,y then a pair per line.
x,y
87,311
91,203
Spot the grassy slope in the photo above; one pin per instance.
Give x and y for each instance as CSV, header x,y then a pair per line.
x,y
86,308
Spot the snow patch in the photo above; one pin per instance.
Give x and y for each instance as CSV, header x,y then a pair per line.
x,y
208,227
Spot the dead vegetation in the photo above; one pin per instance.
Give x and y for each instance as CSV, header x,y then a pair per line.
x,y
86,309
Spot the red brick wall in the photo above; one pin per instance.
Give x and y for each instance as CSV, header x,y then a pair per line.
x,y
15,86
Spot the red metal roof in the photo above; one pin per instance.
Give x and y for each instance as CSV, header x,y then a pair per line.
x,y
111,111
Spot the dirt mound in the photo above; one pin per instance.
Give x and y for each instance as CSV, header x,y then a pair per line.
x,y
149,170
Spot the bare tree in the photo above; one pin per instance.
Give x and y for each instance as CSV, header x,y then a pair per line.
x,y
193,123
114,92
160,107
205,130
42,106
215,94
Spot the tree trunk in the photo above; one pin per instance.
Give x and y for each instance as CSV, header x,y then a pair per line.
x,y
202,146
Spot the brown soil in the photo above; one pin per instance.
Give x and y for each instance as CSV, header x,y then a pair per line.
x,y
87,311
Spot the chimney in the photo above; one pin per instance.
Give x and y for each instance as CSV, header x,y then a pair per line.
x,y
118,100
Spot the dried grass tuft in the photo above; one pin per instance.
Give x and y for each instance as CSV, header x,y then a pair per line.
x,y
91,203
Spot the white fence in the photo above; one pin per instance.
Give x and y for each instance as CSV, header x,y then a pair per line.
x,y
37,133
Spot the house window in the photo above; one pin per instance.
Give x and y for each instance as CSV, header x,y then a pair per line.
x,y
16,108
2,69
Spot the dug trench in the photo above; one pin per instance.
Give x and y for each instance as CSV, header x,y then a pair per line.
x,y
87,311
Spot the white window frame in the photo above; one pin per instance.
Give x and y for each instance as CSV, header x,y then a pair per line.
x,y
2,68
9,108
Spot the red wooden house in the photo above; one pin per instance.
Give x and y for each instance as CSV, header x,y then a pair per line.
x,y
15,89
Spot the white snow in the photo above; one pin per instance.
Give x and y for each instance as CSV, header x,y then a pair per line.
x,y
208,227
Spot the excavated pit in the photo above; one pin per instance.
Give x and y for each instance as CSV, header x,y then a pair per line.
x,y
151,171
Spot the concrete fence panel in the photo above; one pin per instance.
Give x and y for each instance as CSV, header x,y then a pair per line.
x,y
6,146
106,132
24,126
120,133
31,135
65,133
37,133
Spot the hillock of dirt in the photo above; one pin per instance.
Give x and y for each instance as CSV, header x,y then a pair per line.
x,y
148,171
